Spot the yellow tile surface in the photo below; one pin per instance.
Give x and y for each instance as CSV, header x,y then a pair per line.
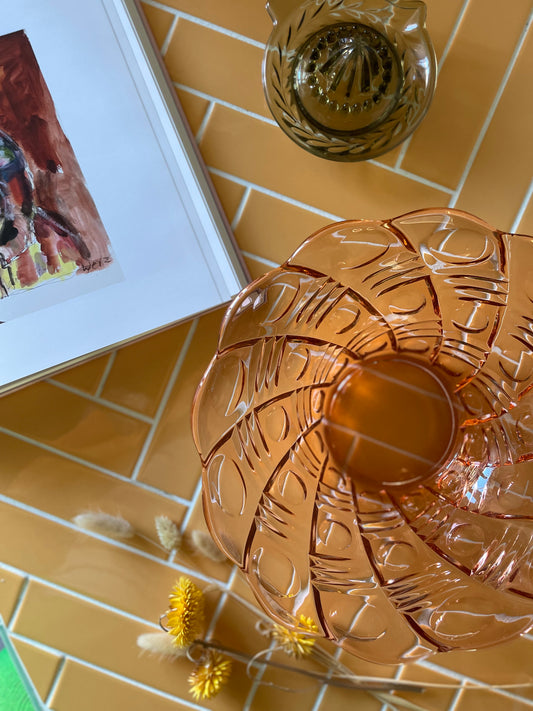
x,y
74,425
476,700
172,461
41,665
86,689
277,237
242,16
237,79
35,477
10,589
467,86
141,371
256,267
258,152
99,569
194,108
229,193
86,377
108,639
497,183
159,21
116,436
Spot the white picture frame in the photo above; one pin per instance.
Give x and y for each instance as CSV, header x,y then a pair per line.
x,y
173,254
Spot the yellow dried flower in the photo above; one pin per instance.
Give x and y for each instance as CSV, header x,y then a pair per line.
x,y
296,643
186,614
210,675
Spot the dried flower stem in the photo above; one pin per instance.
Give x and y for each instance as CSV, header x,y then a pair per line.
x,y
346,682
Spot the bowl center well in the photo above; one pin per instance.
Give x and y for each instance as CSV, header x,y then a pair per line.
x,y
390,421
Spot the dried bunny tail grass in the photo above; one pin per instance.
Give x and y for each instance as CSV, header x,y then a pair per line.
x,y
168,533
160,643
105,524
202,543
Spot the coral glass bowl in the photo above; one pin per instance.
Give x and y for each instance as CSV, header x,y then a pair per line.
x,y
366,435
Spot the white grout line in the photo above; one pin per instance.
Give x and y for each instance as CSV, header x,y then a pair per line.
x,y
206,23
71,593
263,260
522,208
240,209
94,467
227,104
105,374
19,602
107,672
100,401
214,100
164,400
412,176
168,38
472,681
257,679
279,196
55,681
205,121
452,706
491,112
324,687
196,495
442,59
110,541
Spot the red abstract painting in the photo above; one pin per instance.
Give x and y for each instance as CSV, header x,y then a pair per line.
x,y
49,225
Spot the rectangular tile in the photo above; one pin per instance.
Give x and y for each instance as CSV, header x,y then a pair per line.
x,y
229,193
467,85
35,477
277,237
75,425
269,696
501,173
141,370
194,108
172,462
159,20
256,267
507,663
336,698
484,700
217,64
431,698
79,562
84,689
259,152
86,376
41,665
441,18
10,588
107,639
249,19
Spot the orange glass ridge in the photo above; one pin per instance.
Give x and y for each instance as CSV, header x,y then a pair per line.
x,y
365,434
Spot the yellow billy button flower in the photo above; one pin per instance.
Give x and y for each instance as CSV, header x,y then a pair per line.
x,y
185,618
210,675
296,643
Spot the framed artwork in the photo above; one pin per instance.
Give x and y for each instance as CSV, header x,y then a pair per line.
x,y
109,228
